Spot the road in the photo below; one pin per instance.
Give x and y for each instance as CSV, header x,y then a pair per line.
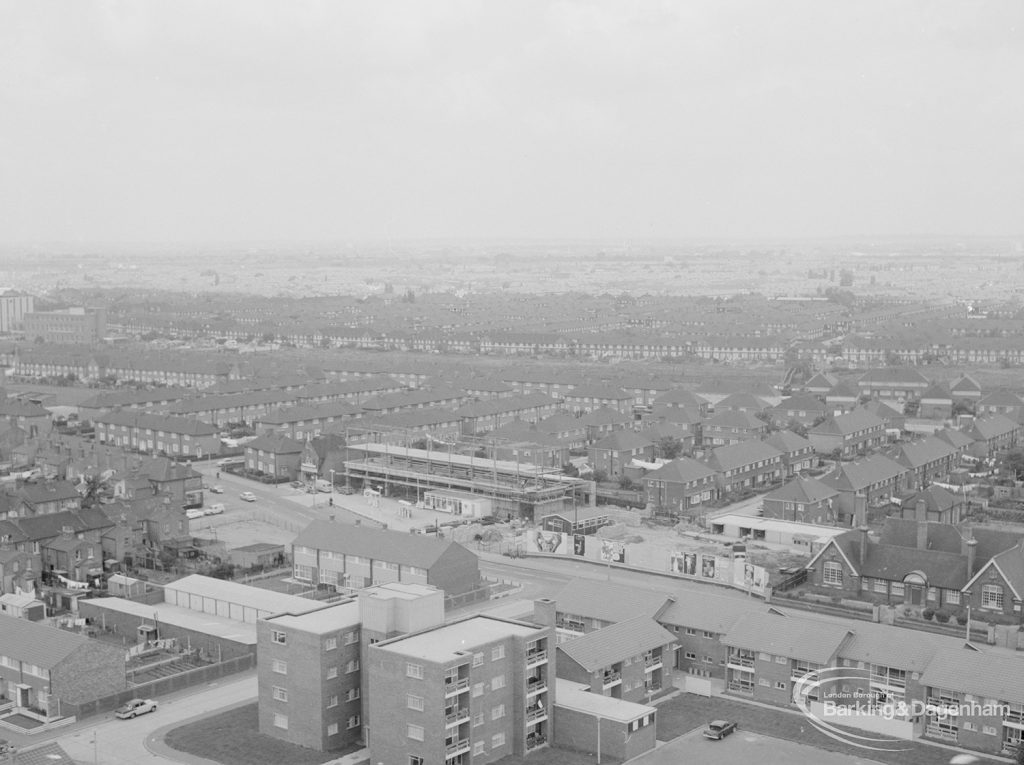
x,y
108,741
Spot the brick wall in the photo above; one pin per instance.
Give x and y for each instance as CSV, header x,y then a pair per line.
x,y
92,671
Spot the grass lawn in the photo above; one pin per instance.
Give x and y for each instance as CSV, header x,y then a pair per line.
x,y
233,738
552,756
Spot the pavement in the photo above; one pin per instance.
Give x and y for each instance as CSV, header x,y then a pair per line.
x,y
105,740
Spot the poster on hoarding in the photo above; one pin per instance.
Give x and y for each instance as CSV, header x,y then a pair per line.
x,y
613,552
551,542
707,566
579,544
683,563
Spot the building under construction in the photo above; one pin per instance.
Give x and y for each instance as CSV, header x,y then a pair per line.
x,y
516,490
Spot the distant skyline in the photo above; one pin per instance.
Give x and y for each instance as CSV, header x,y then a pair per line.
x,y
314,121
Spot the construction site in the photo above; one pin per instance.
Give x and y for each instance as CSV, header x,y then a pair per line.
x,y
513,489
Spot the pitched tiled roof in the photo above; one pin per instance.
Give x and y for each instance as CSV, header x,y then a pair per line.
x,y
40,527
802,490
1001,398
937,391
623,440
856,476
605,416
612,644
380,544
981,674
741,455
702,610
609,602
965,384
682,470
851,422
275,443
893,376
802,403
742,401
733,418
37,644
941,569
843,390
681,397
789,636
985,428
789,442
915,454
955,438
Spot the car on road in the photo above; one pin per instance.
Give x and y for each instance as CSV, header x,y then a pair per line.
x,y
217,489
719,729
194,512
134,708
296,484
247,496
215,509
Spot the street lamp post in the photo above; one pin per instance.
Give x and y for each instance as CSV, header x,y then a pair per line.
x,y
332,480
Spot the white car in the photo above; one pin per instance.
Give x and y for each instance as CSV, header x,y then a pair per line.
x,y
215,509
247,496
134,708
194,512
217,489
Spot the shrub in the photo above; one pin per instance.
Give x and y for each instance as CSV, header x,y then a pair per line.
x,y
961,619
941,616
927,614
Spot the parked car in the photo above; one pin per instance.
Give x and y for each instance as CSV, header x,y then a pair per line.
x,y
345,490
247,496
6,747
719,729
217,489
194,512
134,708
215,509
296,484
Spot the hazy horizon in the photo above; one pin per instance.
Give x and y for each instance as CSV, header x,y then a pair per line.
x,y
347,124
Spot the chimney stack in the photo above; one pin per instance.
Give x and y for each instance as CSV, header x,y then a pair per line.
x,y
920,511
860,510
922,535
972,554
863,544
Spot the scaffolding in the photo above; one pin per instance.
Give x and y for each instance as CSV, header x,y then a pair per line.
x,y
516,489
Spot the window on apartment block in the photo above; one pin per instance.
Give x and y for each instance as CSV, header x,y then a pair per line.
x,y
414,671
992,596
332,672
498,712
332,702
709,635
478,747
881,586
691,631
897,589
832,573
352,666
276,636
415,759
281,721
351,637
414,702
478,719
280,667
353,694
953,597
280,694
330,644
498,739
353,722
478,689
498,652
497,682
478,659
691,656
332,729
415,732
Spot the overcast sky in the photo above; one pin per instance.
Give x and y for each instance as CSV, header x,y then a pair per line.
x,y
306,120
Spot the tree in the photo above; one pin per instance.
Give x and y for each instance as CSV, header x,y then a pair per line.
x,y
670,447
570,470
797,427
1013,463
599,476
625,482
766,418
